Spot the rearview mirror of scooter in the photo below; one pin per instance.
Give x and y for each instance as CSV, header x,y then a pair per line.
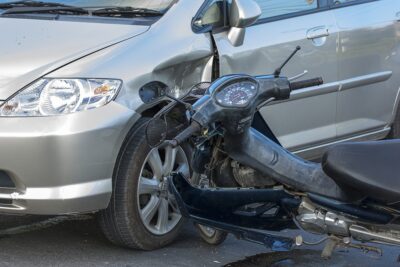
x,y
156,131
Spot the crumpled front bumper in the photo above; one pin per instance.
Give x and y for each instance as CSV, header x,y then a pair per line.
x,y
62,164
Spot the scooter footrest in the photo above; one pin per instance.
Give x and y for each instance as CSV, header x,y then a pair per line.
x,y
258,209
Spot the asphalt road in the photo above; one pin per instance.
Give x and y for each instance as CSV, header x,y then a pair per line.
x,y
59,241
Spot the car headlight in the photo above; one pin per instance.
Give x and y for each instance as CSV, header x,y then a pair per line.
x,y
47,97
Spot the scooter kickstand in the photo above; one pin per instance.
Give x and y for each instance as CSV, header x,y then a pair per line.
x,y
330,246
334,242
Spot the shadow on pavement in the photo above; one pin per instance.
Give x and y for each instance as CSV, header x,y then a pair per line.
x,y
78,241
275,259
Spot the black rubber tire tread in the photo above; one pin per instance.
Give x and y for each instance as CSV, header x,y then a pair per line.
x,y
121,222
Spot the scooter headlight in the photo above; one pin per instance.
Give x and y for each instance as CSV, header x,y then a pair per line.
x,y
48,97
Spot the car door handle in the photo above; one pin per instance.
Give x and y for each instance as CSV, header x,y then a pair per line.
x,y
317,32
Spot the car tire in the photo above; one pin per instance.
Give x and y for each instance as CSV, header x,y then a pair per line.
x,y
123,221
211,236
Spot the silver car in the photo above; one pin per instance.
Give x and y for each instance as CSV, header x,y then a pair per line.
x,y
71,71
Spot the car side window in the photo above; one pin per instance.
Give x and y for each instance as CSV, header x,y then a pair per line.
x,y
273,8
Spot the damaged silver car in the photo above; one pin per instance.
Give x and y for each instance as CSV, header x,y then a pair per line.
x,y
71,73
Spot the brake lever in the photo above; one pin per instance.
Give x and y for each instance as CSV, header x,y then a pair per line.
x,y
305,72
165,110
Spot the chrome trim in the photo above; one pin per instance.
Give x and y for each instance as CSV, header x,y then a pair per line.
x,y
315,152
315,91
338,86
365,80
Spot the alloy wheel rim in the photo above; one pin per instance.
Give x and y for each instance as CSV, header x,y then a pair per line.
x,y
157,207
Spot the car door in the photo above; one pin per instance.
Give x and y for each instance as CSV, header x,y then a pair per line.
x,y
368,65
308,119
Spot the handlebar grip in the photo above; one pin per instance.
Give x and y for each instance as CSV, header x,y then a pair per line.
x,y
306,83
193,128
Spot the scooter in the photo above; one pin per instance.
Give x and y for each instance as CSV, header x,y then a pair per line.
x,y
254,188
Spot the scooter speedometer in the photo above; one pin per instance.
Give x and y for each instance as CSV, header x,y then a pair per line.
x,y
237,94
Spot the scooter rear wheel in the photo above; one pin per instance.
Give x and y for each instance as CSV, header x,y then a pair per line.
x,y
210,235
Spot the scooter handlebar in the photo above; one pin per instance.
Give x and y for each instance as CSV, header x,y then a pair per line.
x,y
306,83
192,129
195,127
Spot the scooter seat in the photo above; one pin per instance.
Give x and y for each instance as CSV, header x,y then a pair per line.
x,y
372,168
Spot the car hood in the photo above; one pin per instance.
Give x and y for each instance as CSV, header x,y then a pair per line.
x,y
32,48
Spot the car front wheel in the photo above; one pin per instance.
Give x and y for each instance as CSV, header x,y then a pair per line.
x,y
142,214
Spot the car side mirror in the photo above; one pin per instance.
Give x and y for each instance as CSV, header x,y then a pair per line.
x,y
243,13
212,16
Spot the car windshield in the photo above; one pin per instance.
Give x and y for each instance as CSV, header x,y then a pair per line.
x,y
159,5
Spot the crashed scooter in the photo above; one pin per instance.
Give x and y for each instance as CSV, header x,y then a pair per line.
x,y
254,188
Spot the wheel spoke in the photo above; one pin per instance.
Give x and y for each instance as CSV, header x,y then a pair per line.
x,y
150,209
162,220
156,163
170,157
148,186
184,170
161,212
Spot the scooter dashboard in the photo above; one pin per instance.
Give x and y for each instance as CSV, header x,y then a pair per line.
x,y
238,94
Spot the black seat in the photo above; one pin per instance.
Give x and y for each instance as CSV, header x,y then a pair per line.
x,y
372,168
